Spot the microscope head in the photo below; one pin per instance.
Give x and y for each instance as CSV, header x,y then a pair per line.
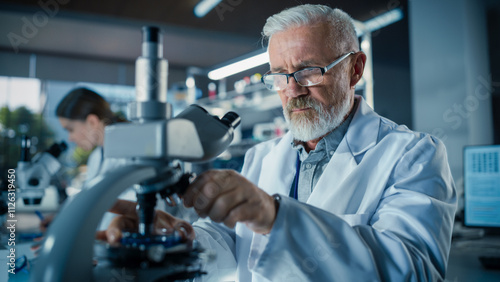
x,y
34,176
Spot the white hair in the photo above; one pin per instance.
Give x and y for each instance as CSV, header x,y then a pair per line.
x,y
343,34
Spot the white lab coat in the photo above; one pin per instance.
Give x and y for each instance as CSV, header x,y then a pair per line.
x,y
382,210
97,165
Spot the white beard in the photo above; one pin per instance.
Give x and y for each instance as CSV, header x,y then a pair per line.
x,y
304,128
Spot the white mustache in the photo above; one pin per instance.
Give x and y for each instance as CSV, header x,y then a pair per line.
x,y
301,103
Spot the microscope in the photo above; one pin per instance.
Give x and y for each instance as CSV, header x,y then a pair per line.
x,y
34,175
154,145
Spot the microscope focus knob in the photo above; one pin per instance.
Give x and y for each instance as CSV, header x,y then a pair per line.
x,y
231,119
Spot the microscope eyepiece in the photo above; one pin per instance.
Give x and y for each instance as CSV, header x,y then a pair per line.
x,y
150,34
25,148
57,148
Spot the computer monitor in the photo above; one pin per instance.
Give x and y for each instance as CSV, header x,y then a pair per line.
x,y
482,186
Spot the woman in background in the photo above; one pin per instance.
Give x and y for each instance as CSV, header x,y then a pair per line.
x,y
85,114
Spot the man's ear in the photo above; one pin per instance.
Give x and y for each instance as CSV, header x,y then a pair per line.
x,y
358,68
92,120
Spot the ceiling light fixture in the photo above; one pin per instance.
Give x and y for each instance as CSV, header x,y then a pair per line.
x,y
239,66
371,25
381,21
205,6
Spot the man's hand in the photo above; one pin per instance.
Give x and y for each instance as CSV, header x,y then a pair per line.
x,y
128,220
226,196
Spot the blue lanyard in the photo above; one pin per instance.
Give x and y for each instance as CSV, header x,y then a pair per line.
x,y
296,181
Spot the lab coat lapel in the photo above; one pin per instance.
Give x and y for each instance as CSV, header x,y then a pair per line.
x,y
278,168
360,136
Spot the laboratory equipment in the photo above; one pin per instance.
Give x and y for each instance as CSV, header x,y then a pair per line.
x,y
482,187
155,146
34,175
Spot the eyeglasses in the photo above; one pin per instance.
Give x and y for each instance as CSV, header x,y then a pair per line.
x,y
304,77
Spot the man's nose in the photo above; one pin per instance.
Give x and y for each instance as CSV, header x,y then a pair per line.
x,y
294,89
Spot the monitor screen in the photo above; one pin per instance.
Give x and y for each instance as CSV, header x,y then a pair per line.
x,y
482,186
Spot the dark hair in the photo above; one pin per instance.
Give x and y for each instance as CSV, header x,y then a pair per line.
x,y
81,102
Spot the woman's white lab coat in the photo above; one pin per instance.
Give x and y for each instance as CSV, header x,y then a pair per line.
x,y
382,210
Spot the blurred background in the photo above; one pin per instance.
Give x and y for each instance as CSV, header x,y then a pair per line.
x,y
432,66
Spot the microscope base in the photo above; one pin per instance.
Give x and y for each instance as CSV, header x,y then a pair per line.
x,y
148,263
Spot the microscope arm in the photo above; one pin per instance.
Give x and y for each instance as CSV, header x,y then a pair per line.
x,y
68,247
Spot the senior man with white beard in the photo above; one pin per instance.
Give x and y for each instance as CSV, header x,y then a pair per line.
x,y
346,195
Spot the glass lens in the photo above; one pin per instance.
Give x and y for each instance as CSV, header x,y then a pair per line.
x,y
275,81
309,76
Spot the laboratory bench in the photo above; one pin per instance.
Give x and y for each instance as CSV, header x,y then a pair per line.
x,y
463,265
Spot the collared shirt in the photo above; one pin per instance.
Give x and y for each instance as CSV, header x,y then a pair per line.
x,y
313,164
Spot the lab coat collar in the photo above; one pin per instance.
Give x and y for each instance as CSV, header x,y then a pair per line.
x,y
361,135
363,130
278,167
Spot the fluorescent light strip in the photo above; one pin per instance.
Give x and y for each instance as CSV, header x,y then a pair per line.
x,y
239,66
205,6
381,21
260,59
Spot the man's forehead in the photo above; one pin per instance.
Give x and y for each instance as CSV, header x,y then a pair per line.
x,y
297,56
297,64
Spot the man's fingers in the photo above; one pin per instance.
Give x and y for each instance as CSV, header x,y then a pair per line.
x,y
165,221
126,221
114,232
194,189
225,203
210,183
208,189
226,196
187,228
256,210
110,235
113,235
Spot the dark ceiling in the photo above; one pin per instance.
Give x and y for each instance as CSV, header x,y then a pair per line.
x,y
110,30
243,17
230,30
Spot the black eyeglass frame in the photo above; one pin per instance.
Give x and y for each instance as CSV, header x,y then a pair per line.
x,y
323,71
